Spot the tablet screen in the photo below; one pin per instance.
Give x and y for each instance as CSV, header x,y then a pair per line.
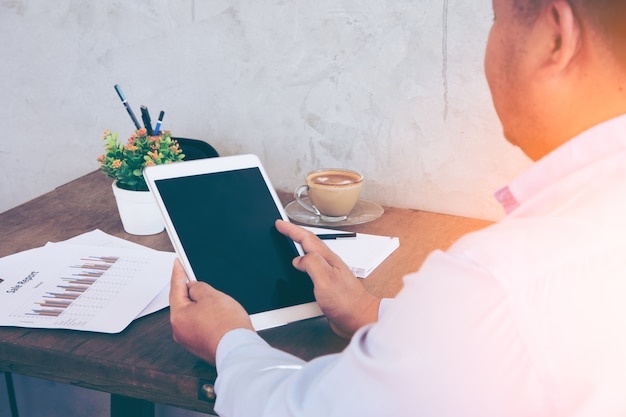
x,y
225,224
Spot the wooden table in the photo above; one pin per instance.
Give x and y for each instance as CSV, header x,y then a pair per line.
x,y
143,362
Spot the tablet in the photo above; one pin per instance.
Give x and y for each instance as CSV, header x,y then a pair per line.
x,y
219,214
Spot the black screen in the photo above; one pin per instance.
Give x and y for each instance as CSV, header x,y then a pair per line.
x,y
225,222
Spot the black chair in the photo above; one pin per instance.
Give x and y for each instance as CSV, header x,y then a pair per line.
x,y
196,149
11,394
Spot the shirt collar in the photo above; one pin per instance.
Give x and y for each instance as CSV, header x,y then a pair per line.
x,y
592,145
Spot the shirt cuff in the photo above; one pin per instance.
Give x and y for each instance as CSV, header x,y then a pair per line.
x,y
234,339
382,307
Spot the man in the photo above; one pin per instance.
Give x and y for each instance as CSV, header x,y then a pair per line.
x,y
524,318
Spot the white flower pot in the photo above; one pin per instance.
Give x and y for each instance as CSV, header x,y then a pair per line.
x,y
139,211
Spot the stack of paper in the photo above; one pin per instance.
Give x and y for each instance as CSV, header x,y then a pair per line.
x,y
93,282
363,253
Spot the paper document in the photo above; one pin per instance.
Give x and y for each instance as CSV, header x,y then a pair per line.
x,y
363,253
99,238
80,287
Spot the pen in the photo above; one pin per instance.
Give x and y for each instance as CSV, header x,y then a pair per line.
x,y
128,109
157,128
331,236
147,123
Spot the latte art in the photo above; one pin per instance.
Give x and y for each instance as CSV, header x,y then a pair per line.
x,y
335,178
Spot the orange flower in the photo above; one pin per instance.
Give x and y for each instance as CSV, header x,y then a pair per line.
x,y
153,154
154,141
122,161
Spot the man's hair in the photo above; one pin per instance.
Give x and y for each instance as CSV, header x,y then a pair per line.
x,y
607,18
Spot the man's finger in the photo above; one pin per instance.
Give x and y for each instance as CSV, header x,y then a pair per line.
x,y
307,239
178,285
199,289
315,265
292,231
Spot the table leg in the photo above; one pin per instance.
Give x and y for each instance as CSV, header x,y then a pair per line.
x,y
11,393
130,407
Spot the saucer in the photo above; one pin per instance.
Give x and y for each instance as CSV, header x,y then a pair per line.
x,y
364,211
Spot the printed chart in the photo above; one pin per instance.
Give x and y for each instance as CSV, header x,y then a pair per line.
x,y
81,293
67,289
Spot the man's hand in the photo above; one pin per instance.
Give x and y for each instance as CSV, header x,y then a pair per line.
x,y
201,315
343,299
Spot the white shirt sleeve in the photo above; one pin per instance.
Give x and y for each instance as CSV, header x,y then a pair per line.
x,y
274,364
446,346
384,303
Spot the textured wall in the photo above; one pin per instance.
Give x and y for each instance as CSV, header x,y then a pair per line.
x,y
394,88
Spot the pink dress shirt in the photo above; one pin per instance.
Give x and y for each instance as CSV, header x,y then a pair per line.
x,y
524,318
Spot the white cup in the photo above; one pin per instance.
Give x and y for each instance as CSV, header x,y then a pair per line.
x,y
333,193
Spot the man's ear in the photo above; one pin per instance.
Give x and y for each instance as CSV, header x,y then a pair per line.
x,y
565,34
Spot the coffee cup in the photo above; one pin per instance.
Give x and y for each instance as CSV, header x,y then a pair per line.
x,y
332,192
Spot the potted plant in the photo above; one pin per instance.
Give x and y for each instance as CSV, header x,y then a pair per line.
x,y
124,163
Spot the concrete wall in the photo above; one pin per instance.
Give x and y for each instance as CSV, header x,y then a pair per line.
x,y
394,88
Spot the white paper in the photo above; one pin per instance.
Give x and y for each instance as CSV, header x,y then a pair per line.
x,y
363,253
99,238
80,287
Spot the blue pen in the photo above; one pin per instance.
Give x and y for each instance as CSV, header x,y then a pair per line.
x,y
128,109
157,128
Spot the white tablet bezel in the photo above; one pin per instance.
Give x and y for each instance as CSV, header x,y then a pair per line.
x,y
262,320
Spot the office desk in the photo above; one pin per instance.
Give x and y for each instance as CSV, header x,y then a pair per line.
x,y
143,362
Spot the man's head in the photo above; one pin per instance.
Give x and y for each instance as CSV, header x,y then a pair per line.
x,y
605,17
556,68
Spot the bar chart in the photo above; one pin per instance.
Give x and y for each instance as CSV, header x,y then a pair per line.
x,y
98,283
71,288
80,291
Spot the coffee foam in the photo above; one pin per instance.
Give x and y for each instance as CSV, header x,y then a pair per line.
x,y
335,178
332,180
